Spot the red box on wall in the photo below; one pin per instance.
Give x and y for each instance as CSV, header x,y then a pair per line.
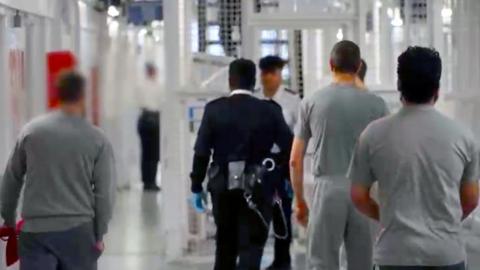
x,y
57,62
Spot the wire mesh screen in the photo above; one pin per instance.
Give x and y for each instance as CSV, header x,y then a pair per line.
x,y
218,27
297,41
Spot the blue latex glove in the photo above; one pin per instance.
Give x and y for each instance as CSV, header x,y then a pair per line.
x,y
197,201
289,189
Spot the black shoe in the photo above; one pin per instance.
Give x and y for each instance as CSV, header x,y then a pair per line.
x,y
275,266
152,188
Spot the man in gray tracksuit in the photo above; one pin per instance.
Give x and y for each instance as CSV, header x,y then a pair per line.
x,y
427,167
333,118
66,167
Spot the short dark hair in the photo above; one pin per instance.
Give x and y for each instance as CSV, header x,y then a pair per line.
x,y
271,63
362,71
150,67
345,57
242,73
419,72
71,86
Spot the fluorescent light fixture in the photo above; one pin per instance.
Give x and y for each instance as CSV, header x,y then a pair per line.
x,y
447,15
397,18
390,13
142,32
340,34
113,11
113,28
447,12
82,4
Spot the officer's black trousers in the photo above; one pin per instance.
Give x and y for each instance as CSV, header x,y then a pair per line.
x,y
149,131
240,232
282,219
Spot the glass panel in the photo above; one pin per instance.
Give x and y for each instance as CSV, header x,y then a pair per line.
x,y
286,75
284,51
215,49
267,49
213,33
269,34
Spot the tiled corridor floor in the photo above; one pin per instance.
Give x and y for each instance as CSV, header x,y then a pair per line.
x,y
134,236
134,241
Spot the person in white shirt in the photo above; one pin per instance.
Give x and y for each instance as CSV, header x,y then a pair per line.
x,y
148,127
271,78
272,89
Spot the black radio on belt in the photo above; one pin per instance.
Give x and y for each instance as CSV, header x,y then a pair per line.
x,y
238,175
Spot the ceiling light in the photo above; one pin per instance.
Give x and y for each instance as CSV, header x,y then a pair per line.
x,y
397,18
113,11
340,34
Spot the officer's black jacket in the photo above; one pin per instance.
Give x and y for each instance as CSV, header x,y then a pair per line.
x,y
239,127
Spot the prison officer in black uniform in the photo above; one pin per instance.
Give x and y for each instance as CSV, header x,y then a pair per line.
x,y
234,130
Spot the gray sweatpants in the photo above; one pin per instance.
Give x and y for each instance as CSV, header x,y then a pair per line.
x,y
334,220
73,249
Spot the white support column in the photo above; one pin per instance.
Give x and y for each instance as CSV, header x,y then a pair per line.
x,y
466,69
174,172
250,40
329,39
361,26
5,116
36,85
376,17
386,50
435,23
76,27
407,23
54,30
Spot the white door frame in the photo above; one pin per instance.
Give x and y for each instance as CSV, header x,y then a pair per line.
x,y
36,72
4,96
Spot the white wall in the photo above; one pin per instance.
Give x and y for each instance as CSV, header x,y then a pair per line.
x,y
44,8
118,109
41,20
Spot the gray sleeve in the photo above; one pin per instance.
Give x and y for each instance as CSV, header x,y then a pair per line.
x,y
295,107
104,189
12,183
203,143
382,109
302,127
360,171
471,172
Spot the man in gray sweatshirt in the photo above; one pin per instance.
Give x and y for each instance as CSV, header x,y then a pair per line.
x,y
66,167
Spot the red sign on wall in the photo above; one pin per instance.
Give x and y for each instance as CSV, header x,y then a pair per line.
x,y
57,62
